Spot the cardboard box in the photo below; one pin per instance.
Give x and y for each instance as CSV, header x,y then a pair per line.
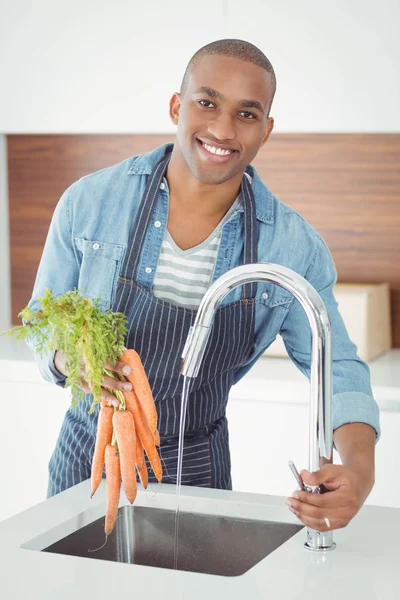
x,y
365,309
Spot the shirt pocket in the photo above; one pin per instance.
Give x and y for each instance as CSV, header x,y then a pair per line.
x,y
273,302
272,295
100,266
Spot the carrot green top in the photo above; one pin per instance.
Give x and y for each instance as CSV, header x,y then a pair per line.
x,y
75,326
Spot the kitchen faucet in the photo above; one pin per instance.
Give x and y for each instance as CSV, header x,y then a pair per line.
x,y
320,416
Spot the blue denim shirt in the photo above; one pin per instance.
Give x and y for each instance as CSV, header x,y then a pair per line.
x,y
88,238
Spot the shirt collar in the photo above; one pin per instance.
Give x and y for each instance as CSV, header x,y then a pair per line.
x,y
143,164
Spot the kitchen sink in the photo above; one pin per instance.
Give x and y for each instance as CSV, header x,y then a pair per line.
x,y
213,544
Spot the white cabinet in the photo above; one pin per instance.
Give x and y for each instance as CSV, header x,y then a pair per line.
x,y
265,435
29,427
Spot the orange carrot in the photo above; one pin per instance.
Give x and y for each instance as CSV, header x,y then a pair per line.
x,y
124,429
113,487
103,438
141,463
144,433
139,453
141,387
144,476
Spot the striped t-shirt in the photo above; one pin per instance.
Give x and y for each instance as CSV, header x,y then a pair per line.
x,y
183,276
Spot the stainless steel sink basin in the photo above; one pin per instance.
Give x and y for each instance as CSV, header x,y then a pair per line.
x,y
207,544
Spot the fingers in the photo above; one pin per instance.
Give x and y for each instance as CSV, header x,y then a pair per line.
x,y
322,519
330,499
116,384
319,524
308,512
119,367
111,382
105,395
110,398
108,383
325,474
339,507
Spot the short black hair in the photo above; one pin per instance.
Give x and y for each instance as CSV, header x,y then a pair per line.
x,y
236,49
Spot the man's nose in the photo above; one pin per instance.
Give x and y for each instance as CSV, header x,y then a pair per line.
x,y
222,127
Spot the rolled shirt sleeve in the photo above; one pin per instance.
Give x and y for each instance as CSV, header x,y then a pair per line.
x,y
352,395
59,271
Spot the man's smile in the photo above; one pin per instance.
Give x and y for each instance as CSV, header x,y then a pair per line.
x,y
216,154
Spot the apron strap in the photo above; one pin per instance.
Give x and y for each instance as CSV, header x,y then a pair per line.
x,y
250,253
144,215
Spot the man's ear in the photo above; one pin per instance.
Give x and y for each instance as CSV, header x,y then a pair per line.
x,y
269,127
174,107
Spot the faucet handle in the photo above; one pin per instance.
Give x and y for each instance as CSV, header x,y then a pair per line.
x,y
320,489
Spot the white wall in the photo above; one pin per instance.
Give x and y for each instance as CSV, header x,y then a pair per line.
x,y
93,66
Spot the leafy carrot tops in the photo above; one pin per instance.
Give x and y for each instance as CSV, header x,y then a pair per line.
x,y
75,326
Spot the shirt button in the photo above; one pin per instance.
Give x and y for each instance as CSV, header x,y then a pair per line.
x,y
162,186
148,270
157,224
265,296
96,246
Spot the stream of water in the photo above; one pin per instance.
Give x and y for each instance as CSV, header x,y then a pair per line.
x,y
185,397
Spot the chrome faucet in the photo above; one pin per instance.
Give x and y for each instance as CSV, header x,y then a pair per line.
x,y
320,419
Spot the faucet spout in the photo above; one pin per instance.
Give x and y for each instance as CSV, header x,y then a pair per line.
x,y
320,414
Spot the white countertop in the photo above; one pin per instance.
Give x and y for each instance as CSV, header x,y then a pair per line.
x,y
363,566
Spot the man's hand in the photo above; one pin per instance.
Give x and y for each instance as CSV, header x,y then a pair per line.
x,y
108,382
349,488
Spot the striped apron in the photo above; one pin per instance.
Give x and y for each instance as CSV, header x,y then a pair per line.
x,y
157,330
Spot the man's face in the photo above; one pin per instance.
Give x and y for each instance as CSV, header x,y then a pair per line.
x,y
223,109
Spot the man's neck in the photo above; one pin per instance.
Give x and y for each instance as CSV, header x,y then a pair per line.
x,y
189,194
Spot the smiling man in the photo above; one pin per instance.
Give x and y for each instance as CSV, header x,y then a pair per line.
x,y
149,235
222,114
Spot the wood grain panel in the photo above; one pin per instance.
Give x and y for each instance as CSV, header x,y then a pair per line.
x,y
346,185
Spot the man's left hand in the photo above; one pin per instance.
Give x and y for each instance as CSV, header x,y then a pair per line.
x,y
348,490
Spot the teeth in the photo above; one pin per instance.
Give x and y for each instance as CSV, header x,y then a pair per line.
x,y
219,151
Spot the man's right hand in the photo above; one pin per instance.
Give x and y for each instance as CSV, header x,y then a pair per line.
x,y
108,382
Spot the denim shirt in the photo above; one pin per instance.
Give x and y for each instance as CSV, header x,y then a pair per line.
x,y
87,242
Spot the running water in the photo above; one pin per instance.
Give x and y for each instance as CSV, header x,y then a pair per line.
x,y
185,397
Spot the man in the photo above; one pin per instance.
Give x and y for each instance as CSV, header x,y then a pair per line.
x,y
149,235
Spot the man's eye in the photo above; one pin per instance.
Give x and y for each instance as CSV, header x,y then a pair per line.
x,y
208,101
248,115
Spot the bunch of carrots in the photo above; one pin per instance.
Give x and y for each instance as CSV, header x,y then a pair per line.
x,y
123,435
75,325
